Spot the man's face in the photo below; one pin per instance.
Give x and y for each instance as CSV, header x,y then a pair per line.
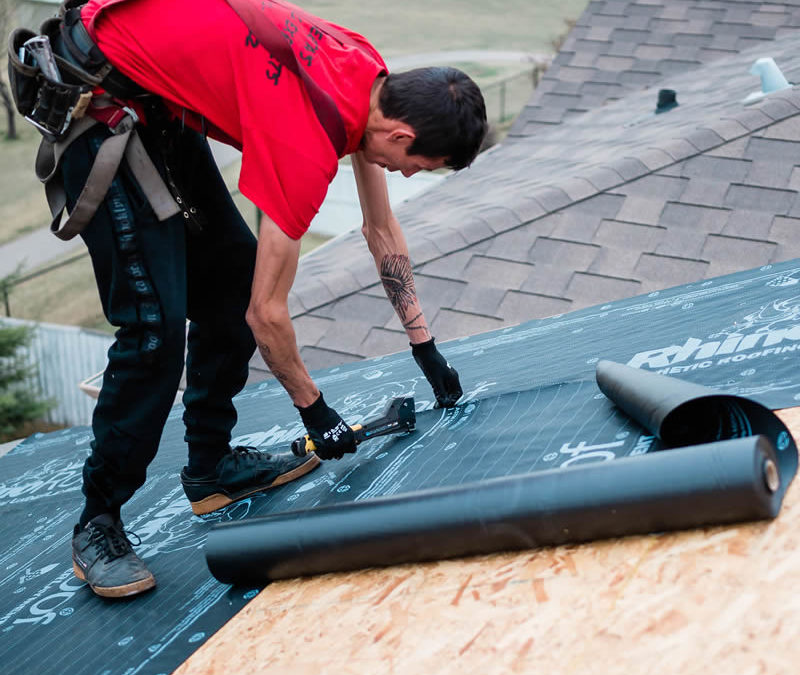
x,y
389,152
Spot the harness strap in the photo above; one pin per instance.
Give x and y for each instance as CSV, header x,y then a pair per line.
x,y
127,144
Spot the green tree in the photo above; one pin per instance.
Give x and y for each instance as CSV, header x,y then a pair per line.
x,y
19,405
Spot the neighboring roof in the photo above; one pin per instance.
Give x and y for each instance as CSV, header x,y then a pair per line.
x,y
620,46
608,204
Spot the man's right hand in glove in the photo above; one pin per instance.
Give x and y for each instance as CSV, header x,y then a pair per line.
x,y
329,432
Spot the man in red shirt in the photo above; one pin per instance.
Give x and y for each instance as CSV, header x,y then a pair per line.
x,y
223,69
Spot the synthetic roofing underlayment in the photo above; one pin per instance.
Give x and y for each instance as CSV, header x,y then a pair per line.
x,y
607,204
536,453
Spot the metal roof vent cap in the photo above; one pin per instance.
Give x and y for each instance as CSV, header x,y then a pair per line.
x,y
772,79
667,100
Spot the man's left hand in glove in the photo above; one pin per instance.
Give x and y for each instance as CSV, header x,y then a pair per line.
x,y
441,375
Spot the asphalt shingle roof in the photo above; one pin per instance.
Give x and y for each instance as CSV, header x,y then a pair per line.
x,y
620,46
607,204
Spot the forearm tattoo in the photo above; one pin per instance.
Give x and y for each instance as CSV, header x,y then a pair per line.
x,y
398,281
278,373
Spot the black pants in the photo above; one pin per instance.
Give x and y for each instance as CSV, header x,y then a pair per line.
x,y
152,276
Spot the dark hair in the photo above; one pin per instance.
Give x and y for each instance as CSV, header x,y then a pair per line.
x,y
443,106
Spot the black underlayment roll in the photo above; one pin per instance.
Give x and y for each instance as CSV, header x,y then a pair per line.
x,y
734,473
717,483
683,413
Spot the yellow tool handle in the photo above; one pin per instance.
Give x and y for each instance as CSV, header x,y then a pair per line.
x,y
311,447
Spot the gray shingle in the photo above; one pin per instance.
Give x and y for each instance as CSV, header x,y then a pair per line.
x,y
695,217
778,108
519,307
733,149
615,262
654,52
451,266
311,328
593,288
480,299
655,159
770,174
722,169
642,210
665,270
451,324
729,129
515,244
772,149
433,291
604,178
682,243
571,254
380,341
787,130
705,139
346,336
614,63
630,168
749,224
573,227
753,119
693,39
678,148
787,232
727,254
655,185
552,198
634,236
760,199
495,272
628,35
316,358
710,193
548,280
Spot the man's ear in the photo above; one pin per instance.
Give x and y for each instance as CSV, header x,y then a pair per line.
x,y
402,134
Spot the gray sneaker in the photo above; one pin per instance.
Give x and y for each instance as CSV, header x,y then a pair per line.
x,y
102,556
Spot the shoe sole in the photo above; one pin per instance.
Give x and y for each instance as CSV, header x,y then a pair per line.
x,y
116,591
219,500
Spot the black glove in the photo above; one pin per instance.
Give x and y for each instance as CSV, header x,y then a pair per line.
x,y
329,432
442,376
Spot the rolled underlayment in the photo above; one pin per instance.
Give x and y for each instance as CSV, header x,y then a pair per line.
x,y
739,469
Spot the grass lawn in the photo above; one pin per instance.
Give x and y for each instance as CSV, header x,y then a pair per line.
x,y
421,26
23,206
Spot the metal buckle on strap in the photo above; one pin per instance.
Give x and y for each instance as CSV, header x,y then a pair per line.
x,y
117,116
126,123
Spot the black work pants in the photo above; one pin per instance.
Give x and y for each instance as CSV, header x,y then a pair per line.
x,y
152,276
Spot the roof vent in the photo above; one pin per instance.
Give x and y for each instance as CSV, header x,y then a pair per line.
x,y
772,79
667,100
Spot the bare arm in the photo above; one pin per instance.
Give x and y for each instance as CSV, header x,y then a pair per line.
x,y
268,313
388,246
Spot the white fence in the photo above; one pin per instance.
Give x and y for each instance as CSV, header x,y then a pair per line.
x,y
64,356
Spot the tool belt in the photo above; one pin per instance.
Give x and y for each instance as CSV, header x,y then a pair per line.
x,y
62,110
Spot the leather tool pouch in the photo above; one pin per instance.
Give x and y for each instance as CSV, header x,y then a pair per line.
x,y
47,104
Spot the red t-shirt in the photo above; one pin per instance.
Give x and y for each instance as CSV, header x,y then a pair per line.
x,y
199,55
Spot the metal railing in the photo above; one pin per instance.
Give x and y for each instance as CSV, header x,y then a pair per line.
x,y
507,97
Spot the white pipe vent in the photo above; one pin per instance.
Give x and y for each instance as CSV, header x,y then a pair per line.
x,y
772,79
